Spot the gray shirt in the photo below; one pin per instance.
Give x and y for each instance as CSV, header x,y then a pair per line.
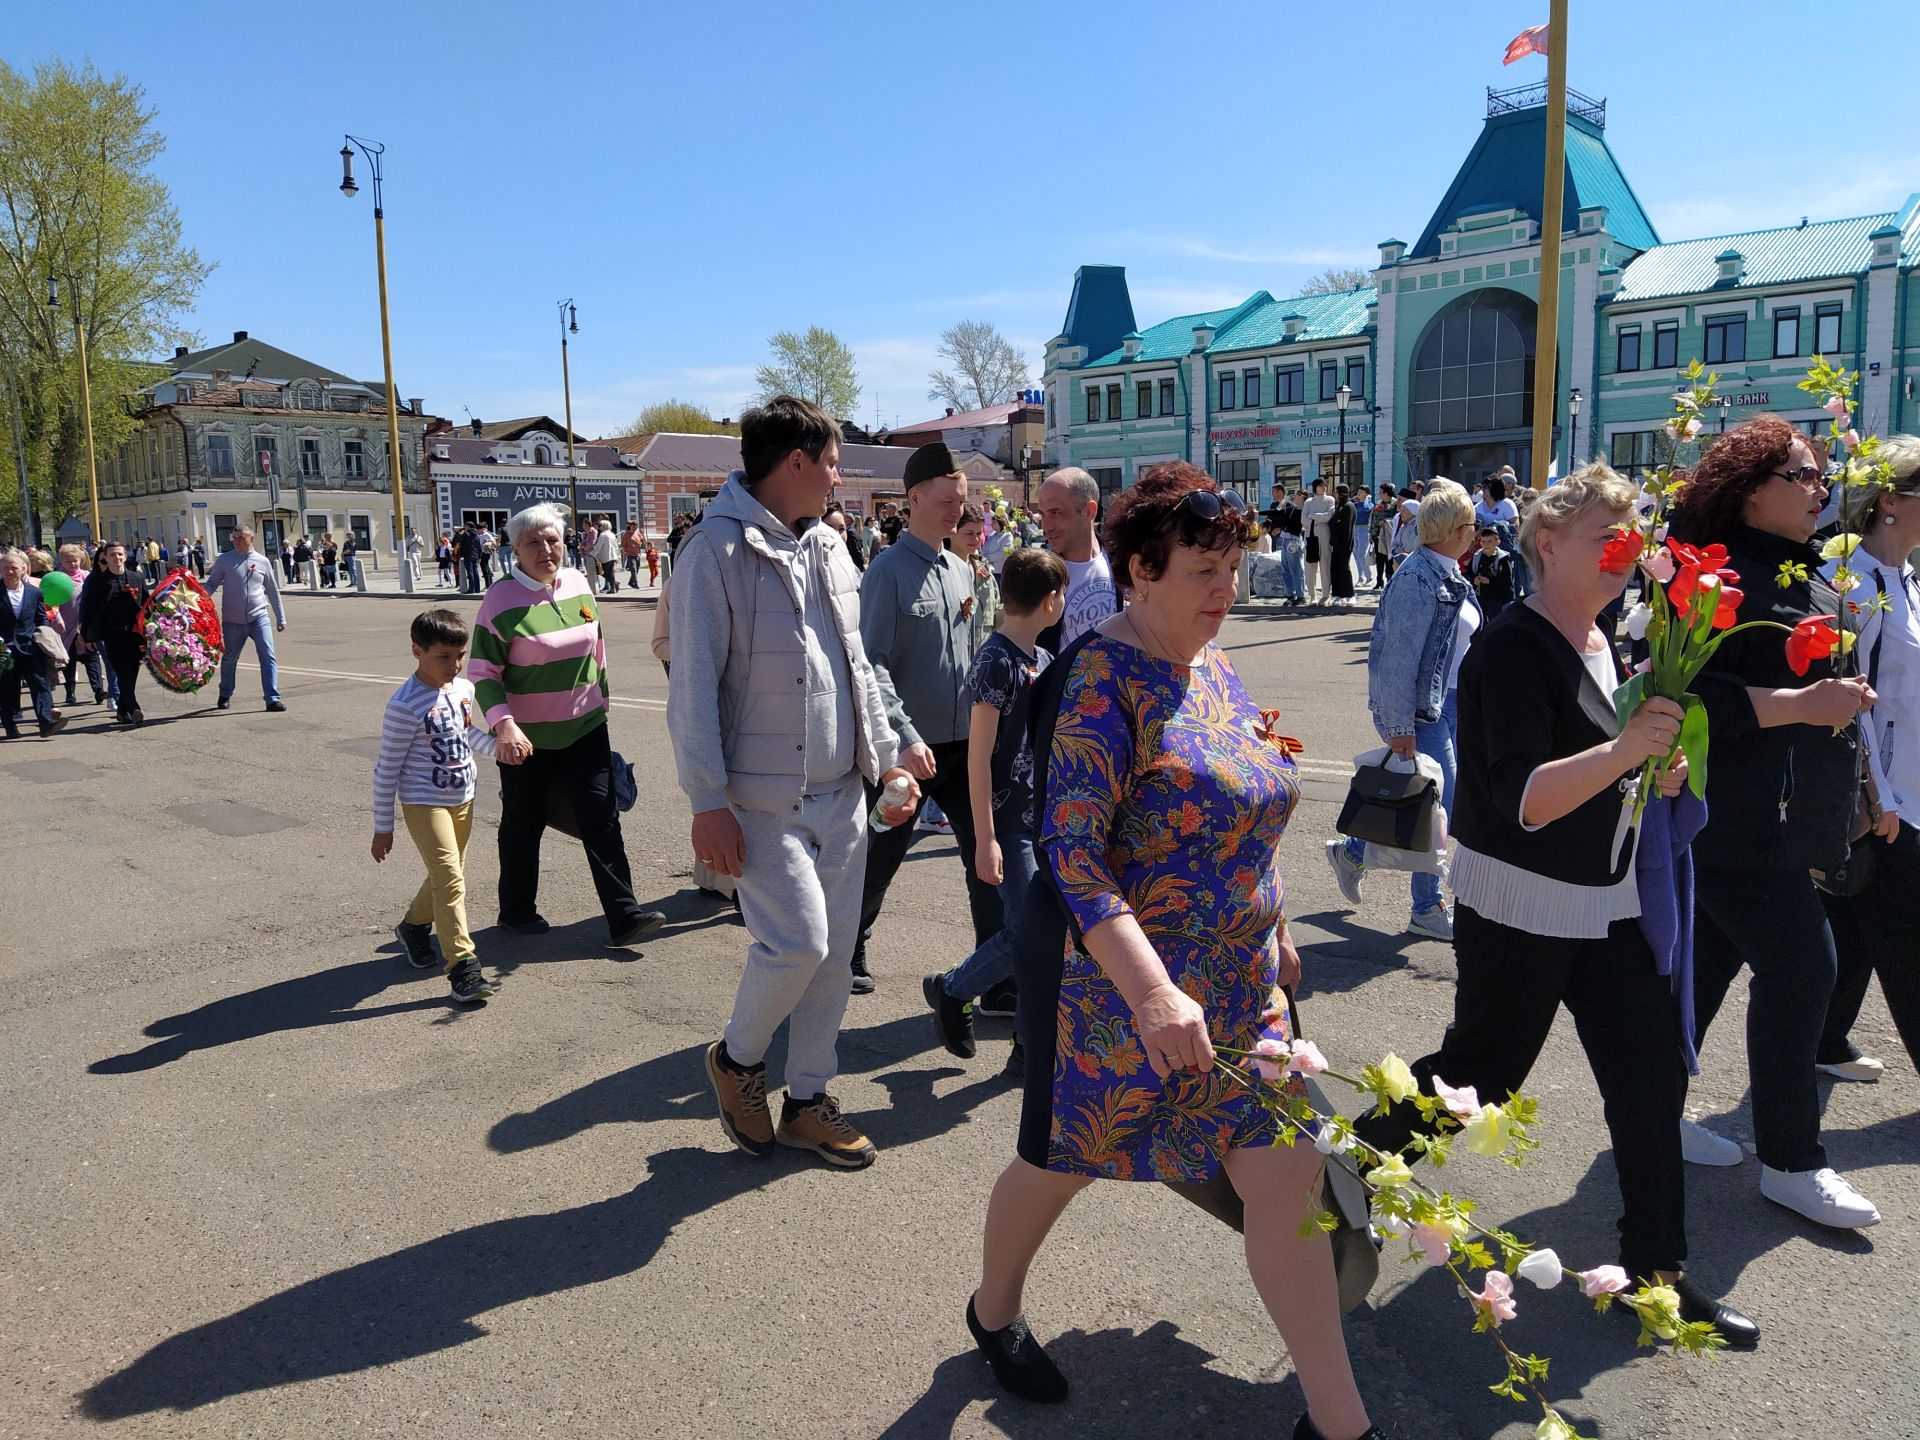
x,y
250,585
829,681
918,638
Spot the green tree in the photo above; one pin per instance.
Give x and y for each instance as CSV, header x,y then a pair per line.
x,y
987,370
816,366
679,417
80,205
1335,279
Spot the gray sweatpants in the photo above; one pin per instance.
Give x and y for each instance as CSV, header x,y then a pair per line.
x,y
799,895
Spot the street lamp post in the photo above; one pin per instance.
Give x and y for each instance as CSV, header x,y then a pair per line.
x,y
569,322
1573,429
373,150
1725,402
86,390
1342,398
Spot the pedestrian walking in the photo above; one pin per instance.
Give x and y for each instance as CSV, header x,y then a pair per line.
x,y
286,558
65,619
1380,533
22,613
540,677
653,563
110,606
487,544
329,563
1069,506
776,786
1490,569
250,610
632,543
1340,532
199,558
428,739
443,557
606,555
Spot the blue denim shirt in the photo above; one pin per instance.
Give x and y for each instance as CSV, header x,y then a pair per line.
x,y
1411,647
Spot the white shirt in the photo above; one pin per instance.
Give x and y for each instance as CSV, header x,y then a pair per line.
x,y
1091,596
1465,624
17,598
1892,727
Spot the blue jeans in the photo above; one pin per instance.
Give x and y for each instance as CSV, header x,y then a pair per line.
x,y
1293,570
992,962
259,629
1438,740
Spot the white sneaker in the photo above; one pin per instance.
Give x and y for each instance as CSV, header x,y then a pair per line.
x,y
1348,874
1862,1069
1435,924
1820,1195
1700,1146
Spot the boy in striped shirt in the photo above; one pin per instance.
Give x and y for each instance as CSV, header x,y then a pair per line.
x,y
427,743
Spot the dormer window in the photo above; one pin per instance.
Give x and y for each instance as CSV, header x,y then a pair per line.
x,y
1730,263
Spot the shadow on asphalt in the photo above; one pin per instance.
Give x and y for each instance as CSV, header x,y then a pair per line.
x,y
423,1298
1125,1384
320,997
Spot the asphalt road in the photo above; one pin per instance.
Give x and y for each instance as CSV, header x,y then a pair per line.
x,y
262,1180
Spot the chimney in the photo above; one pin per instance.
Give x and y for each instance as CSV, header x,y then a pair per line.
x,y
476,428
416,406
949,412
178,351
238,336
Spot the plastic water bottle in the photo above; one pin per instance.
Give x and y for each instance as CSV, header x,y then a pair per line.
x,y
891,798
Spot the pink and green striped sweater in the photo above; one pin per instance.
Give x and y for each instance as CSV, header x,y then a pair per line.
x,y
538,656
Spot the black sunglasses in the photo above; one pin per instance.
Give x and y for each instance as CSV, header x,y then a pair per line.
x,y
1209,505
1807,476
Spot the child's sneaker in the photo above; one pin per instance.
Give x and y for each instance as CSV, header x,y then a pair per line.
x,y
470,987
417,941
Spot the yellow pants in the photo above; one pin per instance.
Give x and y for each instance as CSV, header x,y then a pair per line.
x,y
440,834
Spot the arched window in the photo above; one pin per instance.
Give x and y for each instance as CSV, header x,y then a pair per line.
x,y
542,455
1473,370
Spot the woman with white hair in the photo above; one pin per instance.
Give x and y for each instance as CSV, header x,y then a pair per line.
x,y
1428,615
540,676
1874,930
1547,901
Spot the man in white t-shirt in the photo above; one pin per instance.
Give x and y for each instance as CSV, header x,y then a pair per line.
x,y
1068,507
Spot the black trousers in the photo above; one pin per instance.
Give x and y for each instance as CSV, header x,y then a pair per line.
x,y
947,789
29,670
1878,930
1770,921
1511,986
125,650
582,775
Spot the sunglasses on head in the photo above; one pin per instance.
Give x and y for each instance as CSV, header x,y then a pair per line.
x,y
1209,505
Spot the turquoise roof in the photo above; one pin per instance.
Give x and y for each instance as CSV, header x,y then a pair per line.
x,y
1816,251
1258,322
1505,168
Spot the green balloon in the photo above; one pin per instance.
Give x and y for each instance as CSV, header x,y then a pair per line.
x,y
56,587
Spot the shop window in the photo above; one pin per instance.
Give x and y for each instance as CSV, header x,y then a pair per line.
x,y
1286,480
1250,389
1242,477
1666,344
1166,397
1329,379
1631,452
1626,354
1110,478
1226,392
1143,399
1290,385
1786,333
1826,329
1346,469
1726,339
223,528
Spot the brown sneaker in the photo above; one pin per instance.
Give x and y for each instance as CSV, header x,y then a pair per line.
x,y
819,1126
742,1093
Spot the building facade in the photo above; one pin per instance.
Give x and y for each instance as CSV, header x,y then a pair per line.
x,y
489,472
1012,436
246,432
1437,355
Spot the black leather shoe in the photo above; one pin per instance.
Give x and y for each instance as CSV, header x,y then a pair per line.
x,y
647,922
1696,1304
225,702
1305,1431
862,977
1018,1362
532,925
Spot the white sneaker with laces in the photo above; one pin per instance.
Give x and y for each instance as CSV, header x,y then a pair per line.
x,y
1862,1070
1700,1146
1348,875
1820,1195
1435,924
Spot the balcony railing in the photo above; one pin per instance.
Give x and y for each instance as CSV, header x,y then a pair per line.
x,y
1526,97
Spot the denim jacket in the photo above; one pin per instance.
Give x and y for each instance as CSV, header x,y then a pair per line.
x,y
1411,648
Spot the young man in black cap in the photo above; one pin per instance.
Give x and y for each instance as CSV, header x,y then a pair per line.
x,y
916,609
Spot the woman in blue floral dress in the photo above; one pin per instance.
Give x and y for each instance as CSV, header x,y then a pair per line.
x,y
1166,797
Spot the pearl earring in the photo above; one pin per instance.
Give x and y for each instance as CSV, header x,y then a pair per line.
x,y
1886,520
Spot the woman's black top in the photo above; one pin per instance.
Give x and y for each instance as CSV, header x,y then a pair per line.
x,y
1340,528
1783,798
1290,520
1526,699
110,604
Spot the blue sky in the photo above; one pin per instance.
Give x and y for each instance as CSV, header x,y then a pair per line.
x,y
697,177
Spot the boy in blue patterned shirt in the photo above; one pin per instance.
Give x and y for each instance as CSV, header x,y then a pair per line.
x,y
1033,586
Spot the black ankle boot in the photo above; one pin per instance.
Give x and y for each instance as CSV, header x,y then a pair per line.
x,y
1018,1362
1305,1431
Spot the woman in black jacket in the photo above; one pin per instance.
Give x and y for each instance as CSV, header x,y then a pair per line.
x,y
1780,798
110,606
1546,905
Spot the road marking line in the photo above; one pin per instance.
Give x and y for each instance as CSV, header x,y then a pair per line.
x,y
625,704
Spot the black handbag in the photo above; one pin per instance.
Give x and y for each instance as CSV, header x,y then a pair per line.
x,y
1313,549
1393,808
1855,873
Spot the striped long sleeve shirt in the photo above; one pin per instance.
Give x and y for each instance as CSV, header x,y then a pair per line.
x,y
538,656
427,744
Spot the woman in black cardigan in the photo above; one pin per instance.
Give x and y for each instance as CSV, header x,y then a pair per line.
x,y
1546,906
1780,797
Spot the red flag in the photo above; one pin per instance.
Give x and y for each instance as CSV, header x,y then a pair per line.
x,y
1531,41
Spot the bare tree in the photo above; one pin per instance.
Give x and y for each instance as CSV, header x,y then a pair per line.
x,y
1335,279
990,370
815,366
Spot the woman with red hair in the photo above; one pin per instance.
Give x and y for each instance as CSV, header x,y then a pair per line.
x,y
1780,797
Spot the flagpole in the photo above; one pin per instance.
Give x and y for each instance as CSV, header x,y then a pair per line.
x,y
1546,342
